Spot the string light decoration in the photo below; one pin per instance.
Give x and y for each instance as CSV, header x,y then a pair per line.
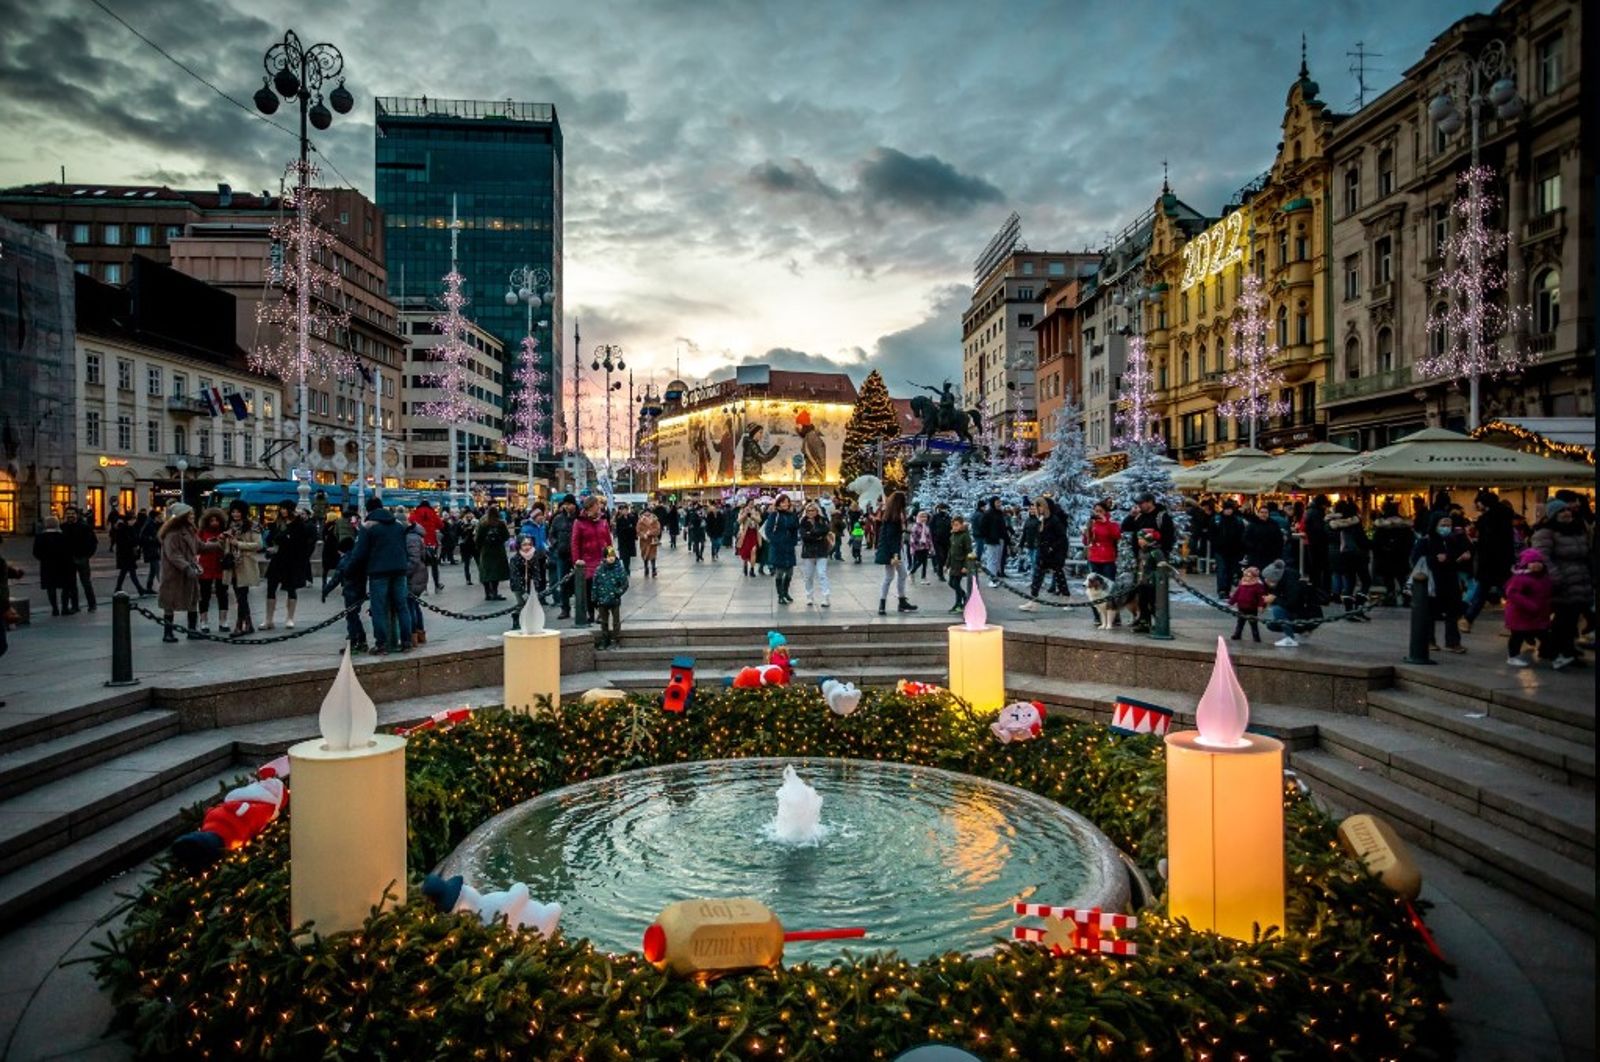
x,y
873,420
530,422
451,359
1138,394
1534,443
203,966
1252,375
306,323
1473,315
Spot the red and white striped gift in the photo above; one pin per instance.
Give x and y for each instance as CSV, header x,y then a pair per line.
x,y
1087,925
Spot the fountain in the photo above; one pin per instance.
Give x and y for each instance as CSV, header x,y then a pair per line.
x,y
926,860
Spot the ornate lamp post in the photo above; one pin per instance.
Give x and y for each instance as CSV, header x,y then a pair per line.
x,y
1459,103
608,358
296,72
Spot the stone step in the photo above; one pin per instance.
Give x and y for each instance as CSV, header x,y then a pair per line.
x,y
34,765
46,819
1525,867
123,843
21,729
858,631
1549,756
1574,722
811,656
1552,814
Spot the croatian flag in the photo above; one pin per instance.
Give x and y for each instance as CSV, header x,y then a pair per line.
x,y
1138,717
214,401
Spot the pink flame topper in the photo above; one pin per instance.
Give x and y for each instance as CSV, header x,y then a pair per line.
x,y
975,616
1223,712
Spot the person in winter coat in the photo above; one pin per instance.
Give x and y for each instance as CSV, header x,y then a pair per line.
x,y
56,573
749,537
527,571
243,543
1444,552
591,535
1263,540
180,569
782,532
291,543
609,584
1227,544
1392,539
956,562
625,526
125,545
1493,547
150,546
1050,552
84,544
380,551
716,528
1529,593
1149,515
694,530
939,527
1314,527
992,533
1289,598
1100,540
417,572
427,517
671,521
890,552
920,547
1347,538
1030,536
213,527
491,538
560,549
649,528
816,543
1247,599
1560,537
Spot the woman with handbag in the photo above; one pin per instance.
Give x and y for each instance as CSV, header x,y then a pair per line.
x,y
890,552
242,564
816,543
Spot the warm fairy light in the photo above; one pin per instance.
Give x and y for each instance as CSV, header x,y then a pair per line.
x,y
452,374
1138,392
1252,375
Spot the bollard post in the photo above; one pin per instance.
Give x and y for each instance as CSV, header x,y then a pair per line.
x,y
1161,629
580,596
122,640
1421,621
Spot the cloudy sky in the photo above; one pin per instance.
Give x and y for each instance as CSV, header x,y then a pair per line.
x,y
800,183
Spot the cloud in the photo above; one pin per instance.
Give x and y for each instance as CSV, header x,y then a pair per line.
x,y
927,184
793,177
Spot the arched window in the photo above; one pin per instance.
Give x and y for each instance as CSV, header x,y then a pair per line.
x,y
1352,358
1547,301
1200,364
1439,335
1222,355
1385,350
1283,327
1184,370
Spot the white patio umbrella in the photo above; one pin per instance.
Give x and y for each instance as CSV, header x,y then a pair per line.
x,y
1437,457
1197,477
1280,474
1114,481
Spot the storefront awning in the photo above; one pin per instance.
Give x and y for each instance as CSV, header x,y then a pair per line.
x,y
1281,474
1197,477
1437,457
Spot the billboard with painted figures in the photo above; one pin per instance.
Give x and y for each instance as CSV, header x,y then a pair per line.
x,y
751,442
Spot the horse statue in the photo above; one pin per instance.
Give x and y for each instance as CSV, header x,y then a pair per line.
x,y
937,418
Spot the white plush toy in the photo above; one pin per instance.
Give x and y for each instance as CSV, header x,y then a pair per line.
x,y
868,491
515,905
1021,721
842,697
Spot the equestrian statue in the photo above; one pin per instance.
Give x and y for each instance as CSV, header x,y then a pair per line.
x,y
941,414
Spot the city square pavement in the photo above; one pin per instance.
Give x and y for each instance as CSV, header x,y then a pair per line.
x,y
1525,976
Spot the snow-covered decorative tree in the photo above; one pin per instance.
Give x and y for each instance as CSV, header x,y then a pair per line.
x,y
307,322
873,419
1067,473
1252,376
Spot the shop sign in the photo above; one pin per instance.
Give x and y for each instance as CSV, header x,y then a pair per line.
x,y
1289,438
107,461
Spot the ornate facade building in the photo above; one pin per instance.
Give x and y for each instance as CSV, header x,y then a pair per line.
x,y
1394,174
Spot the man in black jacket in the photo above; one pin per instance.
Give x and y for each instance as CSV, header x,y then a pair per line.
x,y
716,527
992,535
940,527
83,544
560,546
381,550
1227,545
1149,515
1289,597
1263,540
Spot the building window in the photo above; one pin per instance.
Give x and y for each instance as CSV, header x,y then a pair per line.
x,y
143,235
266,406
91,368
111,234
1547,301
227,447
125,433
1283,247
80,233
1302,248
152,436
1302,328
91,429
1438,336
1183,368
180,385
1385,172
1352,277
1308,403
113,272
1024,320
204,436
1383,260
1352,358
124,374
1283,327
1549,60
1441,230
249,449
1222,356
1200,294
1441,140
1352,189
173,232
1183,309
1058,269
1027,269
1385,350
249,400
180,439
152,381
1547,184
81,268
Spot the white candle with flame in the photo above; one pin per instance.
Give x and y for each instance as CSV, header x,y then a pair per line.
x,y
532,660
978,657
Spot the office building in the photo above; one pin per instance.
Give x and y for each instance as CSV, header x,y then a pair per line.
x,y
480,457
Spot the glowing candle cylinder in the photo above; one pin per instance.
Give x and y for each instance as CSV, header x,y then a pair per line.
x,y
1225,867
978,658
532,669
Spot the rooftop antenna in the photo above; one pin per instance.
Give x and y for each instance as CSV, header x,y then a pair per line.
x,y
1358,67
1166,189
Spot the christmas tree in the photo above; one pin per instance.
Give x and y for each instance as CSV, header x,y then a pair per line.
x,y
1068,476
874,418
305,317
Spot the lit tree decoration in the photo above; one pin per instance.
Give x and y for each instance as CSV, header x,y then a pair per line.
x,y
1133,408
1252,376
452,359
306,322
1473,320
528,415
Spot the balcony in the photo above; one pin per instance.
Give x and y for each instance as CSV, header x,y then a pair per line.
x,y
1213,386
1381,293
1296,362
1547,226
1366,386
1543,343
184,406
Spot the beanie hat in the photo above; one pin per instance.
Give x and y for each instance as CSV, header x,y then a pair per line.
x,y
177,509
1553,506
1531,556
374,503
1273,572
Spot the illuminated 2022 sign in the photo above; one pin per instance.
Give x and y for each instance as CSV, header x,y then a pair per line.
x,y
1226,242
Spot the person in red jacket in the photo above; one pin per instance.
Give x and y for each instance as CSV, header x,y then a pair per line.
x,y
590,537
1247,598
427,517
212,584
1101,537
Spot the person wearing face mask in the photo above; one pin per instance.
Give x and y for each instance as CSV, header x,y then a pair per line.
x,y
1443,553
526,563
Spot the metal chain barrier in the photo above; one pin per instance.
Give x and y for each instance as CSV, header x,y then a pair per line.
x,y
1273,624
463,615
227,640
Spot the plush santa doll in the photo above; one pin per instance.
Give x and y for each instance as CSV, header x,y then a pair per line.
x,y
242,815
747,678
1021,721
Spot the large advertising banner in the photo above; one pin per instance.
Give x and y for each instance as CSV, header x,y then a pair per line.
x,y
759,441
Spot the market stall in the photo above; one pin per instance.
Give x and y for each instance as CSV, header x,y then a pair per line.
x,y
1197,478
1281,474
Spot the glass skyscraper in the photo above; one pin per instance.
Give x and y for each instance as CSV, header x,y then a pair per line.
x,y
500,164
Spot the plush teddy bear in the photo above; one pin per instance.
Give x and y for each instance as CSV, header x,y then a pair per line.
x,y
1021,721
514,905
243,813
843,698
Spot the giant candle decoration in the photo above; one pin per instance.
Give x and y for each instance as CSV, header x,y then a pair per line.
x,y
532,660
347,832
978,658
1225,815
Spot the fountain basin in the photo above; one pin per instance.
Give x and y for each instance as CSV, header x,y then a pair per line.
x,y
927,860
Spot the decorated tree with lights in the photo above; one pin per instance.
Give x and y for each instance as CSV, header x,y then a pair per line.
x,y
1474,314
1252,375
872,420
529,420
451,359
1146,472
1067,472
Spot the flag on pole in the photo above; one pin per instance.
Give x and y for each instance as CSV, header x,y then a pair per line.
x,y
236,400
214,400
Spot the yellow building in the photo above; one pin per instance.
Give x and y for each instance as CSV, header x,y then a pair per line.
x,y
1281,223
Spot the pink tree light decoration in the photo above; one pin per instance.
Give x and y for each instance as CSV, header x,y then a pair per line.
x,y
452,360
528,415
1252,375
1138,391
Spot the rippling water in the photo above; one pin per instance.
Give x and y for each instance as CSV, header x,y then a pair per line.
x,y
926,860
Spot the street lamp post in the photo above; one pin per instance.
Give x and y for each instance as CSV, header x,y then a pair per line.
x,y
182,465
295,71
532,286
608,358
1463,77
